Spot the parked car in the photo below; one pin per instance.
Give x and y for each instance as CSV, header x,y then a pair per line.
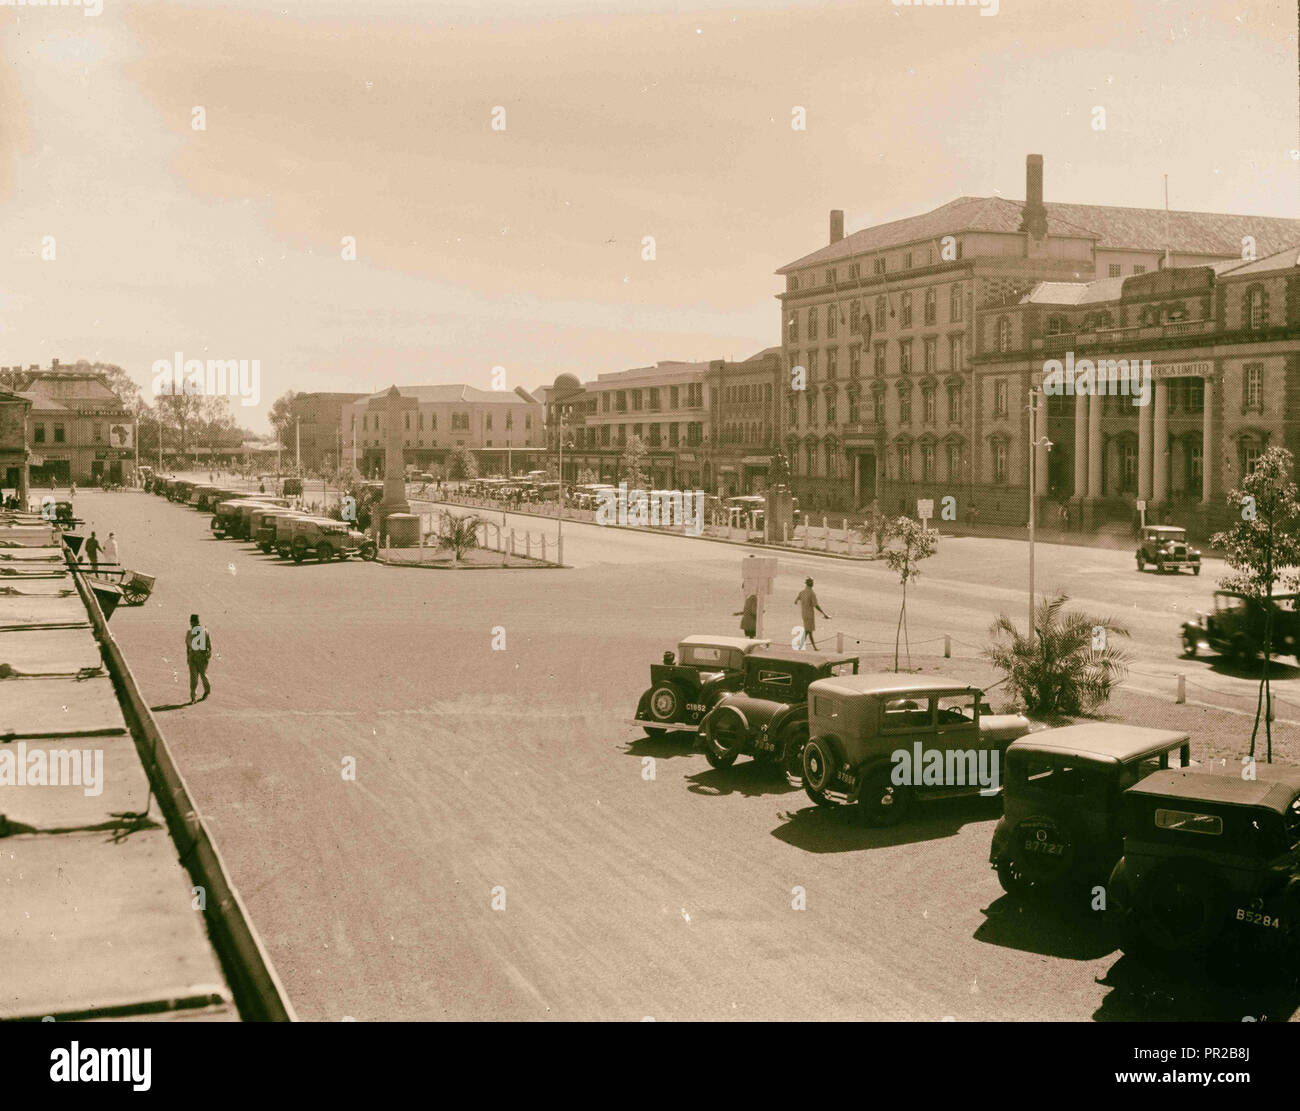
x,y
1209,856
768,718
225,519
201,495
746,511
684,687
1061,801
264,525
243,523
322,537
1236,627
1165,547
291,487
885,741
180,490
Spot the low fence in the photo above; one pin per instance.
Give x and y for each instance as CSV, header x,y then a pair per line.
x,y
491,536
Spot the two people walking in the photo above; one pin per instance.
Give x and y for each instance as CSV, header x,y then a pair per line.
x,y
808,605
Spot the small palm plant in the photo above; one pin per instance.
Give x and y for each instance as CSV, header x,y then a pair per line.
x,y
458,533
1070,666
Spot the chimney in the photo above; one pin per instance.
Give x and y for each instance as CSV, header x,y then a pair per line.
x,y
837,224
1033,217
54,364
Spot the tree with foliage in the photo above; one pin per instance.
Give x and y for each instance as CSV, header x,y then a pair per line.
x,y
462,464
778,471
458,532
1067,664
632,464
875,528
1262,548
916,542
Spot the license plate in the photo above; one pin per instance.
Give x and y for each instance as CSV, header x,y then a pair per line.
x,y
1046,848
1258,918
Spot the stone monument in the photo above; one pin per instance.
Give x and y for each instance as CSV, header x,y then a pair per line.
x,y
394,500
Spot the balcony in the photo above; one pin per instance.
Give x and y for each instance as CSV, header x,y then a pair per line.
x,y
1112,337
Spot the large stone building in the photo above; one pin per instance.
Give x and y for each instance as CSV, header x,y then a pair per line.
x,y
13,442
1223,341
708,425
78,430
882,321
502,428
315,429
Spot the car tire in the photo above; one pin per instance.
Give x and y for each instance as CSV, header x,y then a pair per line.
x,y
818,767
1160,565
1196,570
1142,563
1182,908
793,740
882,802
324,553
665,702
726,735
299,549
1189,645
1014,882
369,551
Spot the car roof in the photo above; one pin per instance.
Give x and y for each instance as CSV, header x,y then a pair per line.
x,y
886,682
1165,528
706,641
1273,788
1101,741
795,655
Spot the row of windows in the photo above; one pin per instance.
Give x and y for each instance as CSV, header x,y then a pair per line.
x,y
459,421
1113,270
59,433
929,406
752,392
836,317
879,265
657,434
690,396
929,358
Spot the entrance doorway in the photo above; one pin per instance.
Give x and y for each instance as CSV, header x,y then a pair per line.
x,y
864,485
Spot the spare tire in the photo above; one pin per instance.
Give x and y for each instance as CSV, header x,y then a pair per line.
x,y
725,736
665,702
1043,850
1182,908
818,769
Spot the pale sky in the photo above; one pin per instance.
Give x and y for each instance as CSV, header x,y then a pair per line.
x,y
624,118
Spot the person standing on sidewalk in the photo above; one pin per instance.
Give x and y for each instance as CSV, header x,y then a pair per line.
x,y
92,551
110,549
198,650
749,616
809,608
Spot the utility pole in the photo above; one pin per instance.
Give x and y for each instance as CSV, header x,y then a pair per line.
x,y
560,508
297,444
1034,443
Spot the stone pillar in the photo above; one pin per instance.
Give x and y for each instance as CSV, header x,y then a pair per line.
x,y
1160,446
1080,445
1144,452
394,500
1094,446
1209,450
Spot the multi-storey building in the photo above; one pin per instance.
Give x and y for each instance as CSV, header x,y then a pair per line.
x,y
1223,341
315,428
503,428
881,324
78,430
13,442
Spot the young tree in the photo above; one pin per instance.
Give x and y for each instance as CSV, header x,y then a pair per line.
x,y
1263,548
462,464
459,533
1068,666
916,543
632,465
778,471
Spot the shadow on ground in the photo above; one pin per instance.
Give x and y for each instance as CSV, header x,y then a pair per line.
x,y
837,829
1215,989
750,778
1046,927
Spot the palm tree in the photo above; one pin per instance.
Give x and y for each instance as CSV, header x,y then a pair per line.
x,y
1070,666
459,533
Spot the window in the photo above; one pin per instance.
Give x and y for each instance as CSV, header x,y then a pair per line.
x,y
903,714
878,407
1128,461
1194,395
832,318
1250,453
38,434
855,271
931,300
654,399
1113,270
812,366
812,324
954,353
604,403
792,283
904,356
904,463
58,433
854,415
880,314
855,360
604,434
904,406
1252,386
672,396
907,260
406,422
487,424
905,307
954,404
1138,268
1195,465
672,434
954,304
999,461
877,265
98,432
1256,308
1004,334
1186,821
810,408
927,462
832,362
879,366
931,355
953,453
831,398
831,277
1000,397
855,317
927,405
810,455
636,401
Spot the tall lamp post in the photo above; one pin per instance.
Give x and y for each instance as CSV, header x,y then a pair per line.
x,y
559,510
1035,442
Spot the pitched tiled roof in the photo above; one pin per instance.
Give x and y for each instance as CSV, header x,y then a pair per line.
x,y
1074,293
1139,229
1286,259
41,401
452,393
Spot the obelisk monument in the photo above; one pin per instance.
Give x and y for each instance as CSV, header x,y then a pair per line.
x,y
394,500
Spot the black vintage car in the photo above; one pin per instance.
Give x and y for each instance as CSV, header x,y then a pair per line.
x,y
1236,627
1210,857
1165,547
684,687
768,718
1062,816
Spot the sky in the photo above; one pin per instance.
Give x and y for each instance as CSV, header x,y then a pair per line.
x,y
522,247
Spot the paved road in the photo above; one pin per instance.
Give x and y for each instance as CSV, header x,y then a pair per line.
x,y
625,895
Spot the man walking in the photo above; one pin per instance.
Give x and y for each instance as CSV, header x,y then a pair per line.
x,y
198,650
110,550
749,616
92,551
809,607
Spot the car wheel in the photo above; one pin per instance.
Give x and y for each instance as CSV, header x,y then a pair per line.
x,y
882,802
1013,880
793,740
1182,907
726,736
818,765
1160,565
665,702
324,553
369,550
1142,563
1189,645
299,549
1196,570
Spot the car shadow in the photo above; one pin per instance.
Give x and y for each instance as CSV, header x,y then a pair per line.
x,y
1233,668
750,778
837,829
1195,989
1044,926
664,748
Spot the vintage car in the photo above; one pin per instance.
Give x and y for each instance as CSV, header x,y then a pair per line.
x,y
263,525
180,491
225,519
768,717
322,537
1236,627
1165,547
1061,801
242,525
884,741
291,487
1209,856
202,494
684,687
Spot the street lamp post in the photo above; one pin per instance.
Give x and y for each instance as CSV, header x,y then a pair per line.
x,y
1034,443
559,509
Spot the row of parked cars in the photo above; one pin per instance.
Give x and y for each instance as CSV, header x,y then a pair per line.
x,y
1187,856
269,521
